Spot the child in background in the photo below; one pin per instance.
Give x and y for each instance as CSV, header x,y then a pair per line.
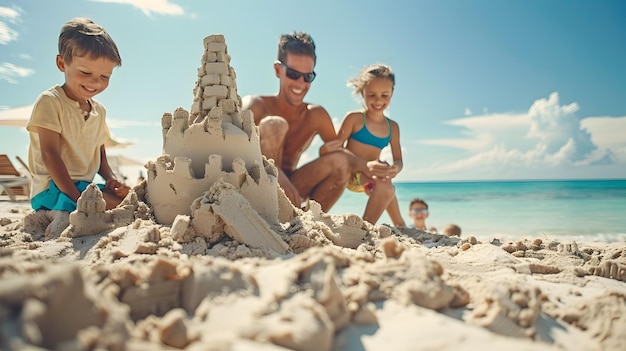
x,y
418,212
452,230
68,128
367,132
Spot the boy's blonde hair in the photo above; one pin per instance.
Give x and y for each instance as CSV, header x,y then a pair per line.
x,y
370,72
81,37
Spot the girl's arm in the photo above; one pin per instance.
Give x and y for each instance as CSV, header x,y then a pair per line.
x,y
381,170
50,143
396,150
342,135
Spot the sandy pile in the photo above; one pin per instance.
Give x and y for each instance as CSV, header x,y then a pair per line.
x,y
136,288
208,254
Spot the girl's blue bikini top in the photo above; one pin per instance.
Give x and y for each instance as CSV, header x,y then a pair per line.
x,y
364,136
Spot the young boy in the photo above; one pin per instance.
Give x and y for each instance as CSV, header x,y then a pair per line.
x,y
452,230
418,212
68,128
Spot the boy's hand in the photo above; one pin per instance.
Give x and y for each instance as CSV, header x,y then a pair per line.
x,y
116,187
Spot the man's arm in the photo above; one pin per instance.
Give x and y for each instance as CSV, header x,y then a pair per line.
x,y
324,124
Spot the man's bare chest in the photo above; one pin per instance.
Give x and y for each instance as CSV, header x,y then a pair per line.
x,y
300,132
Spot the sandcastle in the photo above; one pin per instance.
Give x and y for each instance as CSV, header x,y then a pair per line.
x,y
216,147
212,181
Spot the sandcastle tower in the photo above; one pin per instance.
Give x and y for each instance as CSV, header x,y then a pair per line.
x,y
216,141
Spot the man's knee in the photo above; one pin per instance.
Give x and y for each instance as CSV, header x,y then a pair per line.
x,y
274,126
272,134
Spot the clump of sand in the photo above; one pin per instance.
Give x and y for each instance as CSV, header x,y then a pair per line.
x,y
136,287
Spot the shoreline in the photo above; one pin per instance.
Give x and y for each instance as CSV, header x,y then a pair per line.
x,y
582,211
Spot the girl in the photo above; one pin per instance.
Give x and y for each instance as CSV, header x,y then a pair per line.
x,y
367,132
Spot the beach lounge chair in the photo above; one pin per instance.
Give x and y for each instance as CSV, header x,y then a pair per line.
x,y
12,182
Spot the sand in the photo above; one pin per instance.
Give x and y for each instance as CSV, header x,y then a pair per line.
x,y
208,254
136,288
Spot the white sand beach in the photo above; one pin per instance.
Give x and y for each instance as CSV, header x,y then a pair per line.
x,y
135,288
208,254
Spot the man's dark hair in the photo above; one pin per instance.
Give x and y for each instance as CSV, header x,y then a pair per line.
x,y
300,43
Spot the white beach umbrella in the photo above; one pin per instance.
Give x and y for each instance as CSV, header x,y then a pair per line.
x,y
116,162
121,160
16,117
116,143
19,117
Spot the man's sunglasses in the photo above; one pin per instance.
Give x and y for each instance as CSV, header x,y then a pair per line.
x,y
295,75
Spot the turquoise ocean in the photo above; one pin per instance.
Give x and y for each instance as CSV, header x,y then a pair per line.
x,y
582,210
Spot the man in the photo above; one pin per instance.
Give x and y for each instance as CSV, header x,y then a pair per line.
x,y
287,126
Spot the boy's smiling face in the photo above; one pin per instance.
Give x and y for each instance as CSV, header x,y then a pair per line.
x,y
85,77
418,213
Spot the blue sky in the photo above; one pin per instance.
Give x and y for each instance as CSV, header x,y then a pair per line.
x,y
486,89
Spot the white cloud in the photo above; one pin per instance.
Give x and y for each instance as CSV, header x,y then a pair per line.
x,y
606,131
387,155
555,125
493,122
498,155
608,134
148,7
549,136
8,34
10,72
468,112
477,142
482,132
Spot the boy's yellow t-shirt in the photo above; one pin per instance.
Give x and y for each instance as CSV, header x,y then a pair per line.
x,y
80,139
